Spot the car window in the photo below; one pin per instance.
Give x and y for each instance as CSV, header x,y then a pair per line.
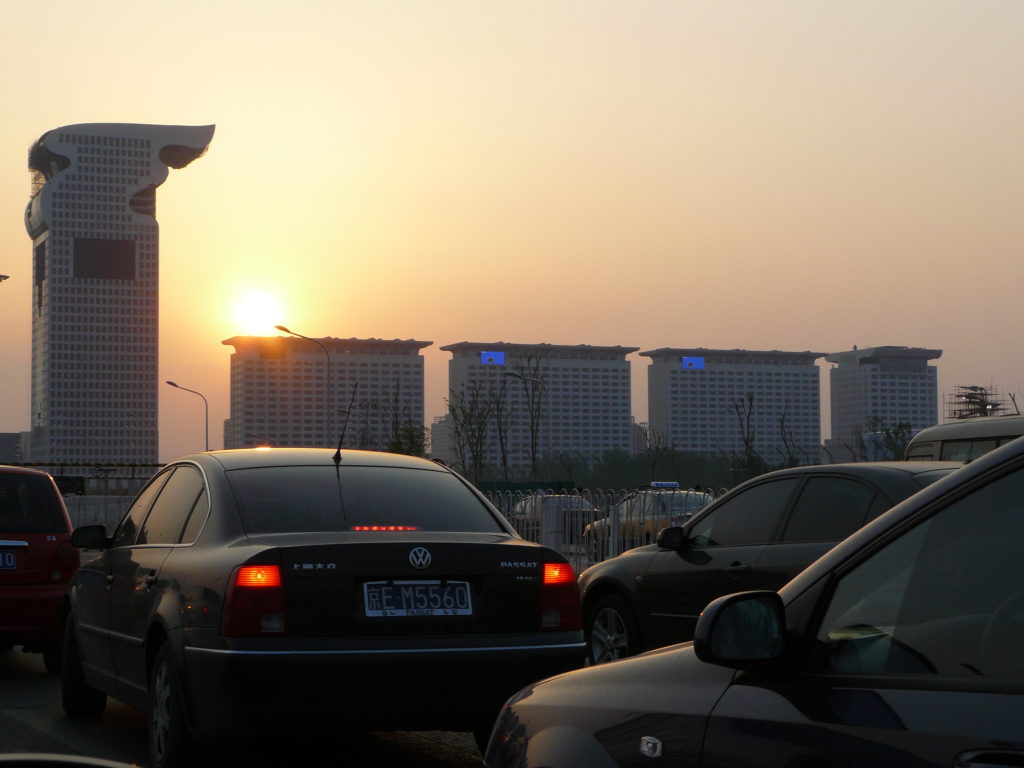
x,y
829,509
946,597
29,504
921,452
125,533
279,499
167,518
956,450
200,511
746,517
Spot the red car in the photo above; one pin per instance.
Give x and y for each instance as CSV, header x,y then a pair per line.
x,y
36,562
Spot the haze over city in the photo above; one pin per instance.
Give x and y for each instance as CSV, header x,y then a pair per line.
x,y
793,176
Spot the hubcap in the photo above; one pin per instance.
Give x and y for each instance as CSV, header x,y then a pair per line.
x,y
608,637
161,710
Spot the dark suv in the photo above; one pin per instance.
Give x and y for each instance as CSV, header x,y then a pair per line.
x,y
36,562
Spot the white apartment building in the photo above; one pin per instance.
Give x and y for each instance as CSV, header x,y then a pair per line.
x,y
698,401
880,386
540,401
288,391
95,273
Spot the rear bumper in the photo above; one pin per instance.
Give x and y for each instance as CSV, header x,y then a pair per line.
x,y
29,612
438,685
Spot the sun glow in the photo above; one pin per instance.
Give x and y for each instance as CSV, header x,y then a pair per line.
x,y
257,314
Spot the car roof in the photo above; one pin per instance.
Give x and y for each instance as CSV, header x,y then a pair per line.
x,y
868,468
974,427
6,468
250,458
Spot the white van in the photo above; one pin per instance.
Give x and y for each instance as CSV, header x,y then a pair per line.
x,y
963,440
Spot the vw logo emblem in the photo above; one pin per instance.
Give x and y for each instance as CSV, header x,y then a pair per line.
x,y
419,557
651,746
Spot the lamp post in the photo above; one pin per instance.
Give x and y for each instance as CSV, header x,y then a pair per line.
x,y
206,406
329,399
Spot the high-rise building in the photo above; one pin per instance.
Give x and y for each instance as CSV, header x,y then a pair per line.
x,y
513,405
288,391
880,388
95,272
717,400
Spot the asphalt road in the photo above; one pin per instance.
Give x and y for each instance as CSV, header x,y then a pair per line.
x,y
31,720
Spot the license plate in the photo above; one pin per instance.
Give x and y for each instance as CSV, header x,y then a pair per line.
x,y
417,598
7,560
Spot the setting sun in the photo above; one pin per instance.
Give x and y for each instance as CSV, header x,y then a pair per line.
x,y
257,314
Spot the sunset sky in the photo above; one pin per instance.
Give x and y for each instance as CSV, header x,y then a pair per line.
x,y
795,175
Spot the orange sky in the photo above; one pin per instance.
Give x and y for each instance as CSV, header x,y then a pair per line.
x,y
786,175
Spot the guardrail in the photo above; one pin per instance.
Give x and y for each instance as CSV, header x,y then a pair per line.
x,y
588,526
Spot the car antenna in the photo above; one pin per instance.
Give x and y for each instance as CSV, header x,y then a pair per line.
x,y
344,428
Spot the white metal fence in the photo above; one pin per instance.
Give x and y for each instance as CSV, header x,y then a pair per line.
x,y
591,525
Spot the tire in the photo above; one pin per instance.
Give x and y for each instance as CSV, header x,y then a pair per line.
x,y
171,744
78,697
612,631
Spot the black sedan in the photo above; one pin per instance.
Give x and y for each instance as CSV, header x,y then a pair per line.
x,y
757,536
900,647
263,589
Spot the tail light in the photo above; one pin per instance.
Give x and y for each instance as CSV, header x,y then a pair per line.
x,y
255,604
560,598
65,562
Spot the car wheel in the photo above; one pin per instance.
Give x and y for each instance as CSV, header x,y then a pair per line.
x,y
170,741
611,630
78,697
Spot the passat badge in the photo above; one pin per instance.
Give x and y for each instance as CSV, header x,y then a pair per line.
x,y
419,557
650,746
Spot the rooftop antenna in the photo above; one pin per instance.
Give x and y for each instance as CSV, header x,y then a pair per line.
x,y
348,413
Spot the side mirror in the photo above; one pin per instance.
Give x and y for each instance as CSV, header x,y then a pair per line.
x,y
744,631
89,537
672,538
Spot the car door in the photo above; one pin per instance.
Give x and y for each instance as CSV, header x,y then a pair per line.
x,y
723,546
93,590
910,653
138,583
828,508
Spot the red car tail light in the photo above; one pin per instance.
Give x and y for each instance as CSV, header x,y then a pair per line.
x,y
65,562
255,604
560,598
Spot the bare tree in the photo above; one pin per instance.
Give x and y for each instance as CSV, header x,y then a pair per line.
x,y
789,448
502,410
470,412
744,410
655,448
403,434
528,368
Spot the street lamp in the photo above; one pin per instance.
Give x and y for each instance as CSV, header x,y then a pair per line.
x,y
206,406
330,398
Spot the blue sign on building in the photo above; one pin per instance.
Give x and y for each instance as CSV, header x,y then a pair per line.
x,y
693,363
492,358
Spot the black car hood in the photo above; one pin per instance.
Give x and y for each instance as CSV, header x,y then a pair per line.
x,y
601,713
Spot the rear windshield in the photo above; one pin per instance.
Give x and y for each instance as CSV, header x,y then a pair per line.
x,y
28,504
285,499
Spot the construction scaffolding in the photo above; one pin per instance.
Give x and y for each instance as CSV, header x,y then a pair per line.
x,y
970,401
